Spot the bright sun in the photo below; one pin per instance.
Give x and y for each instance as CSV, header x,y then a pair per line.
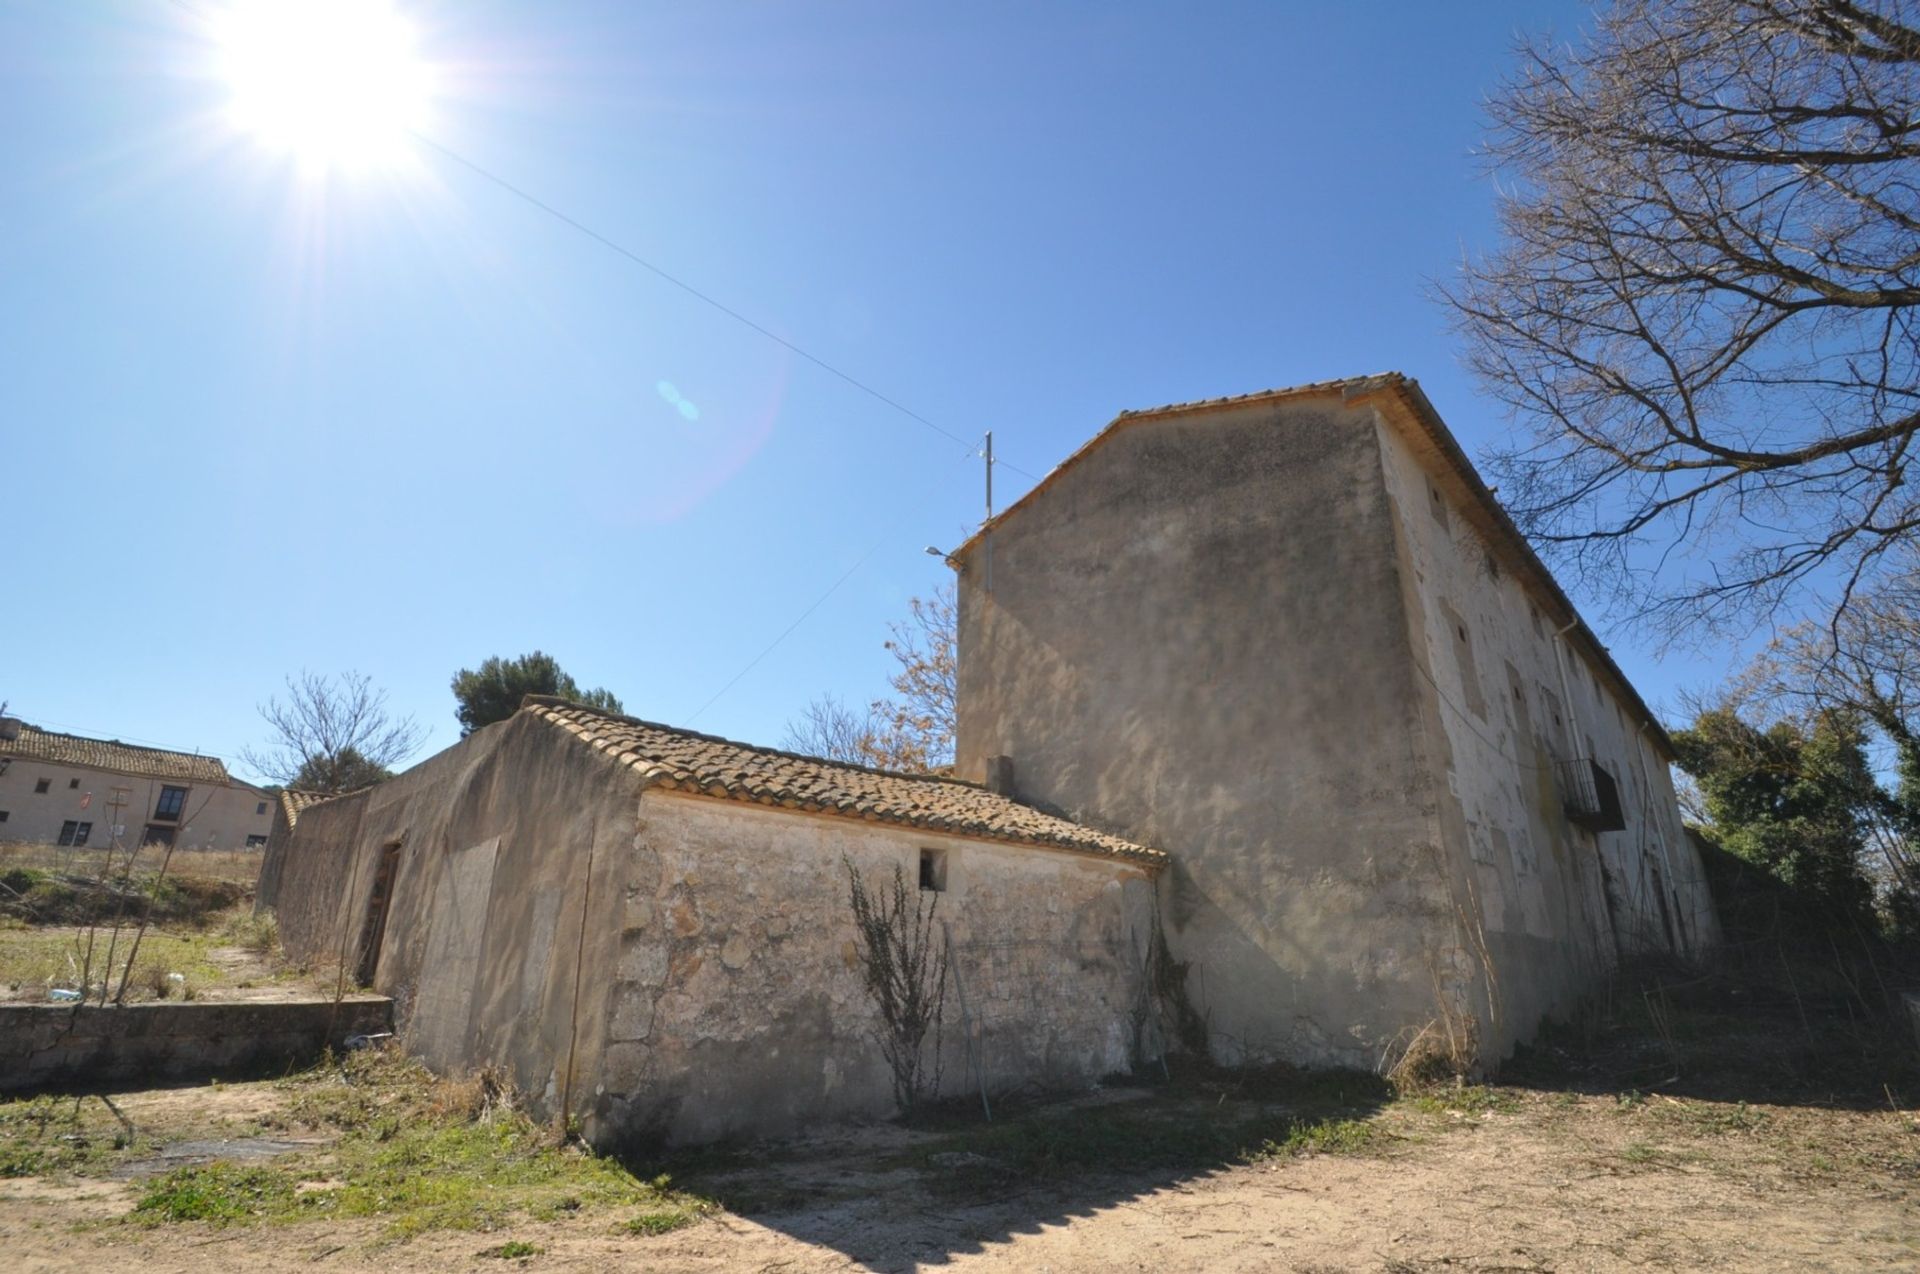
x,y
332,83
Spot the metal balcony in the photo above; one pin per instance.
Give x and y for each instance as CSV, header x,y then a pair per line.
x,y
1590,796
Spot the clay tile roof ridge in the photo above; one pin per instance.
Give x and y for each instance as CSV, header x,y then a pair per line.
x,y
759,750
685,760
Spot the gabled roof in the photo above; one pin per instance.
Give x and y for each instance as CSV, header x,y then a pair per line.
x,y
1405,407
113,755
701,764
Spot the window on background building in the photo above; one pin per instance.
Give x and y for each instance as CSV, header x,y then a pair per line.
x,y
3,816
172,801
72,784
74,833
42,786
933,869
255,841
157,835
261,808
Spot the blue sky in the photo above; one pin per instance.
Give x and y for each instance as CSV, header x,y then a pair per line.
x,y
253,422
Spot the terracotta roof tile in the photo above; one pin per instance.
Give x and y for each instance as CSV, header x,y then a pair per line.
x,y
681,760
294,801
113,755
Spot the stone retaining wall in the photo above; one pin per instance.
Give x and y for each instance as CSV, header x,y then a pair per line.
x,y
52,1046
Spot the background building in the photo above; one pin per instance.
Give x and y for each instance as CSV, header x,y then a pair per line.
x,y
64,789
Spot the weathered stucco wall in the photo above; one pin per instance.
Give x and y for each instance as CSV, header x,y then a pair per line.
x,y
738,1006
1506,699
699,975
1196,638
492,914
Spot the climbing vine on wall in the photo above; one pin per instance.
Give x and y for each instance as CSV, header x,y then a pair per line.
x,y
905,965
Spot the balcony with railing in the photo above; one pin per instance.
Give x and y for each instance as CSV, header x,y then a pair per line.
x,y
1590,796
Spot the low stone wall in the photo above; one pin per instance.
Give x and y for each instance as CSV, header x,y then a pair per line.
x,y
53,1046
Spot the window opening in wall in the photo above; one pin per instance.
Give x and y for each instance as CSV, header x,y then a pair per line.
x,y
255,841
261,808
157,834
42,786
72,784
933,870
3,816
172,801
75,833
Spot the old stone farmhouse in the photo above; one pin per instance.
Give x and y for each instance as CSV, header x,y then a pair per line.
x,y
67,789
1292,639
649,929
1406,801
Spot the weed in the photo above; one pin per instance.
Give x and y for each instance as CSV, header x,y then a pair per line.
x,y
1465,1099
651,1223
419,1152
222,1193
1328,1137
1639,1152
258,933
513,1249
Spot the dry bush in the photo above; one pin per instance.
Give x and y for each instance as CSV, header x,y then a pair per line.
x,y
258,933
1441,1054
472,1097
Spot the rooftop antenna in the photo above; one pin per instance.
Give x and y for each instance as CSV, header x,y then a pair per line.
x,y
989,475
987,546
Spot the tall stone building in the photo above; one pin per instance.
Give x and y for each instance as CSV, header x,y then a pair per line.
x,y
1292,639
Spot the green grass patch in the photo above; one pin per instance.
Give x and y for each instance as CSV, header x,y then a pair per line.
x,y
420,1153
1467,1099
52,1136
651,1223
1327,1137
219,1193
33,960
512,1250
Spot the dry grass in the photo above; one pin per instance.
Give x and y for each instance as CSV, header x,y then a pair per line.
x,y
241,866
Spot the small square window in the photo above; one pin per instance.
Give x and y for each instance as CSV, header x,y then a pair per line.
x,y
72,784
73,833
933,870
42,786
3,816
261,808
157,835
255,841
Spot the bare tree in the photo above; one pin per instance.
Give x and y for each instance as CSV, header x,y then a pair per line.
x,y
916,725
912,730
1703,308
829,728
332,735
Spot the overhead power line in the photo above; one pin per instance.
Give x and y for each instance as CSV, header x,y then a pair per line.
x,y
692,291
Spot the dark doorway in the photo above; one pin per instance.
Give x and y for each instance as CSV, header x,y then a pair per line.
x,y
374,934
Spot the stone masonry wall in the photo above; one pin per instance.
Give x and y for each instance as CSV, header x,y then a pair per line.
x,y
738,1007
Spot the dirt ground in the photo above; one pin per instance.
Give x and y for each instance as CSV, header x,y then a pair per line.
x,y
1509,1179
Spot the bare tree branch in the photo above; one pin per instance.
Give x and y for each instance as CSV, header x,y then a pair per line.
x,y
332,735
1703,309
